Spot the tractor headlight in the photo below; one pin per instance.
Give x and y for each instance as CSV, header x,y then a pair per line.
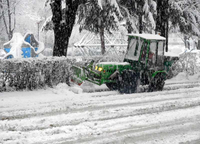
x,y
100,69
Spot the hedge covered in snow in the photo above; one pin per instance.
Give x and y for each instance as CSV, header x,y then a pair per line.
x,y
188,62
33,73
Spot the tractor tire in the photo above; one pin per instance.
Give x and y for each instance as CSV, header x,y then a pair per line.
x,y
128,82
157,83
112,86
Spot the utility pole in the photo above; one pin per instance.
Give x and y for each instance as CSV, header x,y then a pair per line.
x,y
38,28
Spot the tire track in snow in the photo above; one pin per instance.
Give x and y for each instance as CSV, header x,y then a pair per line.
x,y
107,115
118,101
54,109
168,86
118,131
102,114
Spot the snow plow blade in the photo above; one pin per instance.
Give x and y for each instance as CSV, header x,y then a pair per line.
x,y
87,73
78,75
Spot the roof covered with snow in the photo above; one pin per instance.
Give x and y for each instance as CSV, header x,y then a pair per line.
x,y
114,63
148,36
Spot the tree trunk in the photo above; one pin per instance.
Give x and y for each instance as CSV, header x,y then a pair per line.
x,y
167,33
140,23
140,14
198,45
102,40
8,26
61,40
63,21
162,19
9,21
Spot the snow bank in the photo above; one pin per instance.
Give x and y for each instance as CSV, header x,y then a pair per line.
x,y
76,89
183,77
63,88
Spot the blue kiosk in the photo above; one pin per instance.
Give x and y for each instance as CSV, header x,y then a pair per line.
x,y
26,48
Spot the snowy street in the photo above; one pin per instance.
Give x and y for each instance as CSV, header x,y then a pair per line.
x,y
99,71
67,115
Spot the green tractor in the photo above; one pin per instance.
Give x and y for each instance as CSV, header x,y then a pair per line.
x,y
143,65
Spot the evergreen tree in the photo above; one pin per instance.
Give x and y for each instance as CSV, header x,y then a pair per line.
x,y
140,15
99,17
185,14
63,20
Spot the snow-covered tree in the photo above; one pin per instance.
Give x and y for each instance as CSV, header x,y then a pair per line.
x,y
63,19
140,15
98,16
185,14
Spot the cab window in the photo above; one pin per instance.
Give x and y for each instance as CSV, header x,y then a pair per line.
x,y
144,52
134,49
152,53
160,48
160,57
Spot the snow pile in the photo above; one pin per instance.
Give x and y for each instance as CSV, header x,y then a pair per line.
x,y
76,89
183,77
63,88
90,87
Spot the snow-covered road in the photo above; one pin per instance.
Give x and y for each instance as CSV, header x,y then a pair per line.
x,y
59,115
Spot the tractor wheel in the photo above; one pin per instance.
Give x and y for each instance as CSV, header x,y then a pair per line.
x,y
112,86
128,82
157,83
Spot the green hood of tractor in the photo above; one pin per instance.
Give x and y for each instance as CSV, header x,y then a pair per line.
x,y
110,67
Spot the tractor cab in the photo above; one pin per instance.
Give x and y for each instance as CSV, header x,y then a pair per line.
x,y
146,50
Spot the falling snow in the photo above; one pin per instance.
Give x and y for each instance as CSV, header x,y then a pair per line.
x,y
125,111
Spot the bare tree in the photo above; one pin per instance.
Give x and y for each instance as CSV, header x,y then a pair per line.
x,y
8,16
1,10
